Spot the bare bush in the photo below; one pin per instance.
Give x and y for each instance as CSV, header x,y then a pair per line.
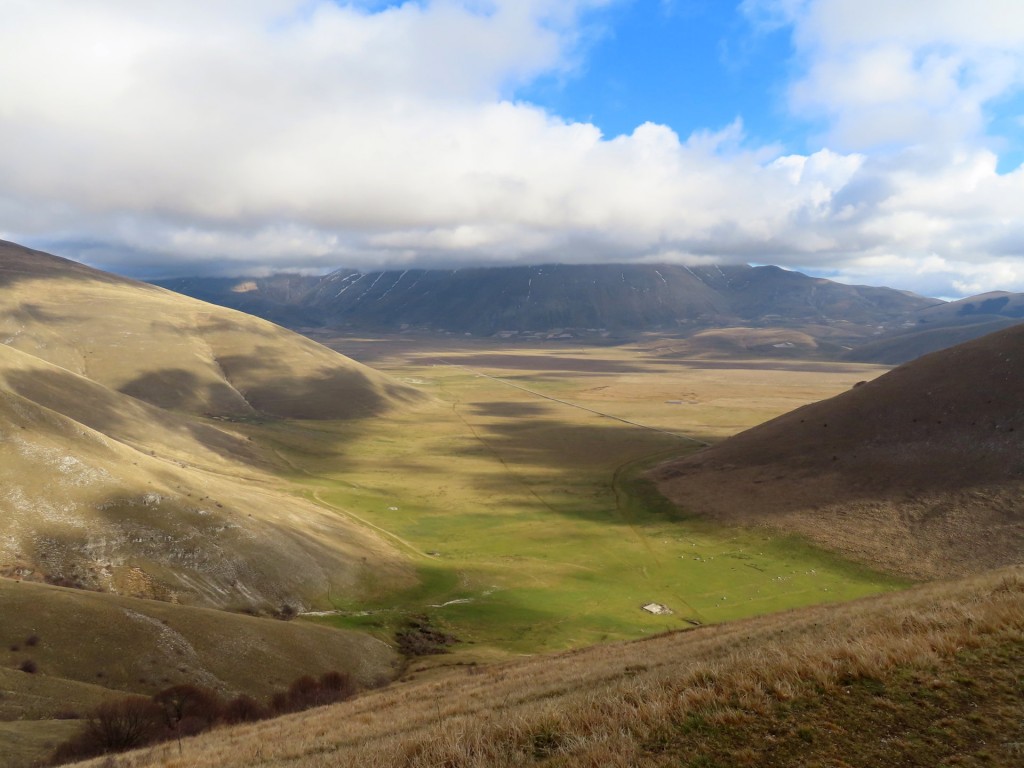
x,y
188,709
114,726
244,709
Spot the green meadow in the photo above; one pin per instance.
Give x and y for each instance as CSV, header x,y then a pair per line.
x,y
530,521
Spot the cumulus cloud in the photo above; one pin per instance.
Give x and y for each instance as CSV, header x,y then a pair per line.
x,y
237,135
892,74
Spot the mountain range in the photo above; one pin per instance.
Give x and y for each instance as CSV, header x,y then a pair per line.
x,y
837,321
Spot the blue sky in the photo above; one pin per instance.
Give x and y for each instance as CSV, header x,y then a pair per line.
x,y
865,140
689,64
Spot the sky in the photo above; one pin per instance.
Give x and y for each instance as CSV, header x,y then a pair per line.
x,y
867,141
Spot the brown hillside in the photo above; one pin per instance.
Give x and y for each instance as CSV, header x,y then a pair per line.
x,y
176,352
924,677
143,646
920,471
87,648
100,490
109,480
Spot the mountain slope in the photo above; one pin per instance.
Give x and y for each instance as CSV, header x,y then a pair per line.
x,y
104,491
584,299
142,646
175,352
110,481
942,326
919,471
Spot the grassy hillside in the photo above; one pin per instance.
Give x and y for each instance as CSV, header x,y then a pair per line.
x,y
175,352
926,677
82,640
918,471
121,468
103,491
82,648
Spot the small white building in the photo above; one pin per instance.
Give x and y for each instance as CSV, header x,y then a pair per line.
x,y
657,609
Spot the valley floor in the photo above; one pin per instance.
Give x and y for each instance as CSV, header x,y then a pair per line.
x,y
517,490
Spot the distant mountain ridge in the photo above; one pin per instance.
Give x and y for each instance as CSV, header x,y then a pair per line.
x,y
583,299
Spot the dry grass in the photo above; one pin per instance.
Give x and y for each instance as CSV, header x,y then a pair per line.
x,y
144,646
111,479
675,697
917,472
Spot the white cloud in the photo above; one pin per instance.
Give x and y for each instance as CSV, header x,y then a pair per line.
x,y
311,134
893,73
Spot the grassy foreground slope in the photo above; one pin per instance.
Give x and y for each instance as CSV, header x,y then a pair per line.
x,y
82,640
82,648
925,677
919,471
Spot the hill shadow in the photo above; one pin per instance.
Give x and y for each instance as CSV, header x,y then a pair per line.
x,y
97,408
510,409
341,392
27,312
178,389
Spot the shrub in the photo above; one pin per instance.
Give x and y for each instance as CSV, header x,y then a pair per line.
x,y
114,726
185,710
244,709
307,692
188,709
303,693
340,684
28,666
420,638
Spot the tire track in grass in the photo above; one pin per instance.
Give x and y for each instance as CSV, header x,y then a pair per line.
x,y
315,495
348,513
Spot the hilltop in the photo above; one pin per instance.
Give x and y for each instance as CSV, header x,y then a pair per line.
x,y
942,326
918,471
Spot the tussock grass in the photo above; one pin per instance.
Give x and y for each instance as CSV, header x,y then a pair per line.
x,y
809,676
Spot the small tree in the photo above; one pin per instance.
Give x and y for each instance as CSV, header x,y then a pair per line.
x,y
338,686
131,722
188,709
244,709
